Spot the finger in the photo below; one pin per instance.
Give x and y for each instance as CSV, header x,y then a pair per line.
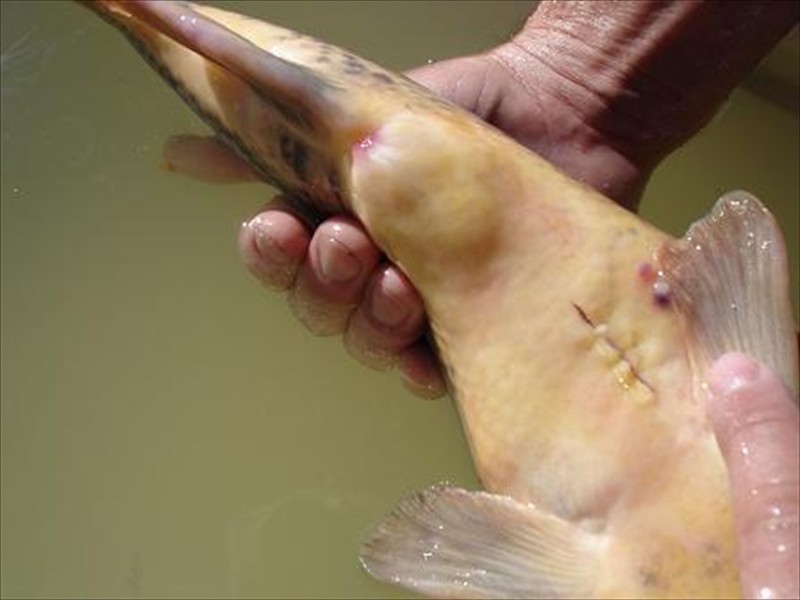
x,y
334,275
387,330
205,158
390,318
273,245
421,371
757,426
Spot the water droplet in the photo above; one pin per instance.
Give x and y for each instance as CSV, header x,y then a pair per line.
x,y
743,448
779,525
734,306
765,593
775,511
781,548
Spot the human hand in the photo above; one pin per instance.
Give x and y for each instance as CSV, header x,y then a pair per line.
x,y
758,430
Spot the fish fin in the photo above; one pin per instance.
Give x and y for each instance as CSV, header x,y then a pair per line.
x,y
730,283
449,542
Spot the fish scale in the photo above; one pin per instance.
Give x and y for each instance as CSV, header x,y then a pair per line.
x,y
576,337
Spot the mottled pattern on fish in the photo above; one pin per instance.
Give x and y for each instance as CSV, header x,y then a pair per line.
x,y
575,336
294,155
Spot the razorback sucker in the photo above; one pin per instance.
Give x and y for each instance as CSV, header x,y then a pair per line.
x,y
576,337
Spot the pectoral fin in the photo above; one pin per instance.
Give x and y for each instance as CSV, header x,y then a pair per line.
x,y
730,283
448,542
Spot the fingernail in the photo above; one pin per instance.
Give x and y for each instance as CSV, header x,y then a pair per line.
x,y
386,308
266,244
732,372
337,262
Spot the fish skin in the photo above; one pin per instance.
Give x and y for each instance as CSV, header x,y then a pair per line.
x,y
579,385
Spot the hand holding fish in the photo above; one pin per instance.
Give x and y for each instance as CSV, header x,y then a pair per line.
x,y
539,88
757,427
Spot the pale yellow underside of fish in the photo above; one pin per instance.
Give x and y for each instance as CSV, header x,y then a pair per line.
x,y
575,335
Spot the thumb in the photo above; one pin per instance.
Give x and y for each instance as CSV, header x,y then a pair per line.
x,y
757,426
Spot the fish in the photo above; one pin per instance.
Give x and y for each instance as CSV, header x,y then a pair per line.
x,y
576,337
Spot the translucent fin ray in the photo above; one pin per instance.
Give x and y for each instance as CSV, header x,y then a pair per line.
x,y
730,282
448,542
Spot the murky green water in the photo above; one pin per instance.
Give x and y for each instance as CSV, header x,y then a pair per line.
x,y
167,428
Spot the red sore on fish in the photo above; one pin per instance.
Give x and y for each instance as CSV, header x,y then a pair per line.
x,y
647,273
364,145
659,288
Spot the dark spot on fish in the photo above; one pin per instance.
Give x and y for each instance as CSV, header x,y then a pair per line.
x,y
651,579
713,564
295,154
296,114
353,66
335,184
381,77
